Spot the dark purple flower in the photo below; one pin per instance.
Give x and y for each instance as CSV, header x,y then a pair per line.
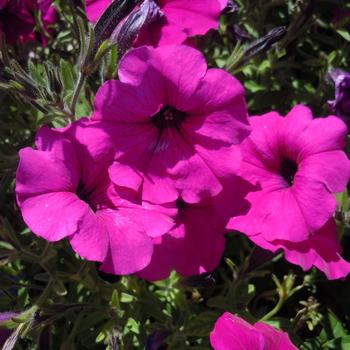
x,y
341,15
232,6
239,33
156,340
341,104
5,333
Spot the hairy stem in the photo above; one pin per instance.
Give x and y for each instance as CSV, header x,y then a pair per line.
x,y
76,94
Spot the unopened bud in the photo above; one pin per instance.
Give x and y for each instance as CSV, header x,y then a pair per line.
x,y
110,19
263,44
125,35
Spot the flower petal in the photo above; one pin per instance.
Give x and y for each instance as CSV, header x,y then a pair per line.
x,y
190,248
195,16
322,251
188,174
273,215
95,9
41,172
315,140
182,77
316,203
125,176
217,91
232,332
55,215
130,248
160,34
331,168
274,339
91,240
120,102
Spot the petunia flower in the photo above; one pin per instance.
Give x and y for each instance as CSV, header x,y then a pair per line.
x,y
196,243
297,163
18,22
182,19
341,105
63,191
233,333
176,123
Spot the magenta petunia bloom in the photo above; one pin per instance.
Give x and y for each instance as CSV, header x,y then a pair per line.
x,y
233,333
182,19
17,20
196,243
176,123
63,190
297,163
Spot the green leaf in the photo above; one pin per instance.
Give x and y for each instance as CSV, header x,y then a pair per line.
x,y
67,75
202,324
342,343
115,302
344,33
26,315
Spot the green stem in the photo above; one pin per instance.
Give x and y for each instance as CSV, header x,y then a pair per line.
x,y
76,94
43,297
275,310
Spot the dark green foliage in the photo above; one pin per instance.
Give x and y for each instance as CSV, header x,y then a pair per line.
x,y
66,303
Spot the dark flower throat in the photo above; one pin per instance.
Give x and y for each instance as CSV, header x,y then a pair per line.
x,y
168,117
288,170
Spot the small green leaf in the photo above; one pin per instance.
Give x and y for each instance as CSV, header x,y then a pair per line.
x,y
115,302
26,315
67,75
202,324
344,34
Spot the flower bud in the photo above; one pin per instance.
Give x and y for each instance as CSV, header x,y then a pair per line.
x,y
263,44
125,35
115,12
341,104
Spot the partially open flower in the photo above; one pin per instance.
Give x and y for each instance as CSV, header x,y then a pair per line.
x,y
233,333
297,162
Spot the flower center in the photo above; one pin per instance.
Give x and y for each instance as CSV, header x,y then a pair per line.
x,y
180,205
85,195
168,117
288,170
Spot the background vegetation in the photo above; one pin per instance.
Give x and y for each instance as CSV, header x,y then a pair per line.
x,y
66,303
